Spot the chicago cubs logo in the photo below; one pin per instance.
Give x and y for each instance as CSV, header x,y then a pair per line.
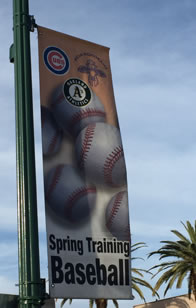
x,y
77,92
56,60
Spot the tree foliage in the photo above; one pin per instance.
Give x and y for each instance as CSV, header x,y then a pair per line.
x,y
102,303
65,300
137,275
181,263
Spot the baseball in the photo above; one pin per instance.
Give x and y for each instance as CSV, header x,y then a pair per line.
x,y
117,216
68,195
76,106
99,154
51,134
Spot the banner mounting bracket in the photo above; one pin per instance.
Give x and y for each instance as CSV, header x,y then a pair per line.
x,y
32,23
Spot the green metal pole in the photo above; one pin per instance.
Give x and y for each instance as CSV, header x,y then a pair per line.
x,y
30,284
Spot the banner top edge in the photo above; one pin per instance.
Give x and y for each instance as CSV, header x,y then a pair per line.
x,y
40,28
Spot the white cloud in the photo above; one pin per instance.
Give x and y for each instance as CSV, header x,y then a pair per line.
x,y
152,231
162,174
8,249
8,286
8,219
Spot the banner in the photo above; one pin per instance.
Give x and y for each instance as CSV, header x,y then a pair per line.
x,y
86,199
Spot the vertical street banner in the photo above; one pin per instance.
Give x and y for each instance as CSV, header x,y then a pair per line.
x,y
86,199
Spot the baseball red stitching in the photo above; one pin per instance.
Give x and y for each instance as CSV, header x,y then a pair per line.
x,y
110,161
54,138
78,193
86,145
116,205
53,143
54,181
84,114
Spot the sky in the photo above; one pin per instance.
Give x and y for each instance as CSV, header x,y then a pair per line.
x,y
153,55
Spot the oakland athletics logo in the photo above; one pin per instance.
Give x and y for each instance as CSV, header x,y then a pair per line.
x,y
56,60
77,92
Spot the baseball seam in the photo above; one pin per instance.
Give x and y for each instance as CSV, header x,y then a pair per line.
x,y
84,114
116,205
110,161
54,137
53,143
86,144
54,181
78,193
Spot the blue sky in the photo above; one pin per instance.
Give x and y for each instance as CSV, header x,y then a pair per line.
x,y
153,55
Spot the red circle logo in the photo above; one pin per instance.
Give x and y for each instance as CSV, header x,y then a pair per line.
x,y
56,60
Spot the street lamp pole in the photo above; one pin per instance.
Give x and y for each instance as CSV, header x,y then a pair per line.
x,y
30,284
